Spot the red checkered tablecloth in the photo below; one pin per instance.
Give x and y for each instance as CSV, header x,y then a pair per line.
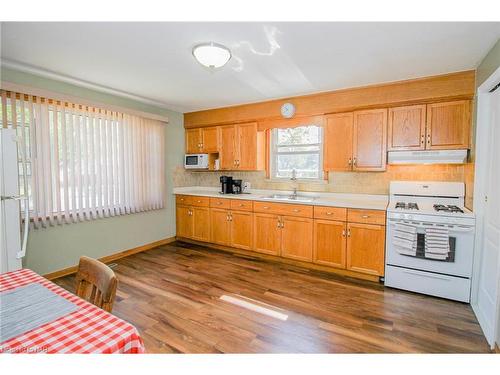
x,y
87,330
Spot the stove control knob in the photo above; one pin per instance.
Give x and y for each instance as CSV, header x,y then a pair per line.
x,y
409,217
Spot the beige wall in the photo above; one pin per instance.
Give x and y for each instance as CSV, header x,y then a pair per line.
x,y
58,247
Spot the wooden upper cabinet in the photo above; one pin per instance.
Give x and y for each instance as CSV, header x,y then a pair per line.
x,y
193,141
241,147
406,128
370,140
246,157
448,125
209,139
365,248
227,152
338,142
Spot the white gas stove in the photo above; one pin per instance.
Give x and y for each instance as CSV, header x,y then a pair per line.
x,y
426,210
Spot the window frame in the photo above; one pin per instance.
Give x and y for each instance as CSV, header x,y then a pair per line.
x,y
273,153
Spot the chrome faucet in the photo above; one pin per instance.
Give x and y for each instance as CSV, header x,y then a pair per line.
x,y
294,179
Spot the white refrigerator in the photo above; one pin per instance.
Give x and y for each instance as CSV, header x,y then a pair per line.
x,y
12,246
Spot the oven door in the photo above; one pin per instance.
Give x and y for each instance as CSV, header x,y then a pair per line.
x,y
459,261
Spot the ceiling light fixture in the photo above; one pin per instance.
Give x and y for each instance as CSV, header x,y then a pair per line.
x,y
212,55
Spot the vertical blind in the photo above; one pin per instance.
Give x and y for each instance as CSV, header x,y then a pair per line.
x,y
85,162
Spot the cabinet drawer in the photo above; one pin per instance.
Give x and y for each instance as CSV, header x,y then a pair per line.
x,y
284,209
220,203
241,205
330,213
184,200
366,216
200,201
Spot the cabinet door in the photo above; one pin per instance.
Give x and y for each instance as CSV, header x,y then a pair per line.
x,y
330,243
246,149
209,139
227,149
201,223
406,128
370,140
184,221
219,223
297,238
365,248
241,229
267,233
193,141
338,142
448,125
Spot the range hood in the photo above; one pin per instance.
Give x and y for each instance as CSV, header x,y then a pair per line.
x,y
427,157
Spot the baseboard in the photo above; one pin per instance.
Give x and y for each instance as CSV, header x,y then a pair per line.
x,y
110,258
278,259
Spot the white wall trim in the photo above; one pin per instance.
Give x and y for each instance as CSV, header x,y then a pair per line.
x,y
26,68
9,86
481,164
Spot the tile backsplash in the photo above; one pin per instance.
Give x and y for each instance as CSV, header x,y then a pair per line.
x,y
338,182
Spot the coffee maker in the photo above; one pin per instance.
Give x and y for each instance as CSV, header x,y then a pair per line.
x,y
226,185
237,186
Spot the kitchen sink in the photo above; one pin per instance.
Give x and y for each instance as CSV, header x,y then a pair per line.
x,y
289,197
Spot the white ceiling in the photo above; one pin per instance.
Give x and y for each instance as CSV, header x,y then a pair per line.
x,y
270,60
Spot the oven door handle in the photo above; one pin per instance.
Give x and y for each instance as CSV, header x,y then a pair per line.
x,y
421,226
427,275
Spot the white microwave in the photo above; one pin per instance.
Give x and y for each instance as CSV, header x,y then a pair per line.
x,y
196,161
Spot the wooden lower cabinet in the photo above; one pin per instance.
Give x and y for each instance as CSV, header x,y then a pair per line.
x,y
184,221
348,239
241,229
297,238
365,248
267,233
219,221
201,223
329,246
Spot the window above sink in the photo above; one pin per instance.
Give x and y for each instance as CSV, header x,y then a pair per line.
x,y
299,149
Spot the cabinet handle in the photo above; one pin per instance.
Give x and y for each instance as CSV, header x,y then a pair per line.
x,y
343,232
349,162
219,203
428,139
329,213
241,205
265,207
354,162
296,210
349,232
365,216
422,139
279,224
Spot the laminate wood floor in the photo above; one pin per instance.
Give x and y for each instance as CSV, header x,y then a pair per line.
x,y
172,295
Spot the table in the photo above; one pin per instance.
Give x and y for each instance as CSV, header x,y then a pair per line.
x,y
89,329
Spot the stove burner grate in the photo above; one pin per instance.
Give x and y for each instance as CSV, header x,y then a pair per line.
x,y
409,206
448,208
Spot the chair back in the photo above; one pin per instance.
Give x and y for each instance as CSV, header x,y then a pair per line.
x,y
96,283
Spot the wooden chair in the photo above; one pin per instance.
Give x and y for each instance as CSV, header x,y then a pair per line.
x,y
96,283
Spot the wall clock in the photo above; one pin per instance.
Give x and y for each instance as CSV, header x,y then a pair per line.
x,y
287,110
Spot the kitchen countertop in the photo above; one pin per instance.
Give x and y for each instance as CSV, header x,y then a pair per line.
x,y
362,201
